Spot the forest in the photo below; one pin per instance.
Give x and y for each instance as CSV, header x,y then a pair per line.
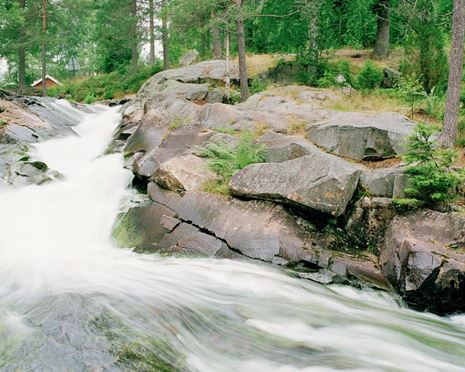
x,y
132,39
232,185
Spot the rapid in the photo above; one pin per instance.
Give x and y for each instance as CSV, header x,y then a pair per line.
x,y
70,300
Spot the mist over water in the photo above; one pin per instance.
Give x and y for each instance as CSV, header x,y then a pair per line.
x,y
71,301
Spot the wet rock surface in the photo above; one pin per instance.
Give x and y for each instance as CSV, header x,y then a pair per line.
x,y
424,258
25,121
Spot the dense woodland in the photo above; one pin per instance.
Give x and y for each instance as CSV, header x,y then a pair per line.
x,y
129,40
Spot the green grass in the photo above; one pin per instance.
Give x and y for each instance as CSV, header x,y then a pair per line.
x,y
104,86
226,160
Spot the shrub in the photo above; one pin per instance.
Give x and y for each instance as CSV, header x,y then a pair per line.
x,y
226,160
258,85
370,76
411,90
327,80
434,181
434,104
331,73
90,98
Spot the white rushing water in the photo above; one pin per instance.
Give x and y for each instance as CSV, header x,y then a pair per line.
x,y
71,301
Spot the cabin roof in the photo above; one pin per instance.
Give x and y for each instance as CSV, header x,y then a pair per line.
x,y
46,77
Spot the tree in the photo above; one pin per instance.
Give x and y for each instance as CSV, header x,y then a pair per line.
x,y
216,40
114,43
134,38
425,51
449,130
152,32
44,50
165,35
243,80
381,49
22,52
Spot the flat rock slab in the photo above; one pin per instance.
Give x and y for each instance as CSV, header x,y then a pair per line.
x,y
424,258
280,148
363,136
318,181
256,230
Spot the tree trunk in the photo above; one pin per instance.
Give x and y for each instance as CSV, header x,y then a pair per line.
x,y
44,60
241,51
381,49
311,11
165,39
152,33
449,130
216,42
22,54
134,51
228,69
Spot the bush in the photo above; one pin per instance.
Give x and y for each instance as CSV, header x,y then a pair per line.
x,y
435,104
258,85
90,98
226,160
370,76
331,73
106,86
434,180
411,90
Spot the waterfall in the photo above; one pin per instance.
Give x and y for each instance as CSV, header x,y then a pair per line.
x,y
71,301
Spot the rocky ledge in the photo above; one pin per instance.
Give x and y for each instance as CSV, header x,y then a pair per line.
x,y
321,204
25,121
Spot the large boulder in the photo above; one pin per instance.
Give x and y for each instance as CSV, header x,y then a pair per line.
x,y
215,71
184,173
424,258
189,91
317,181
363,136
143,227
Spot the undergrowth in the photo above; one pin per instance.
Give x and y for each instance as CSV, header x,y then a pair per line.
x,y
226,160
104,86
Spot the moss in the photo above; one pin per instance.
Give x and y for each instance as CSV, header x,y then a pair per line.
x,y
134,352
40,165
177,122
126,233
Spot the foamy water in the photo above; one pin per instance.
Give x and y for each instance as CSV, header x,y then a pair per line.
x,y
71,301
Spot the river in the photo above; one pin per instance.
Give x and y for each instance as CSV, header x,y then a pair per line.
x,y
71,301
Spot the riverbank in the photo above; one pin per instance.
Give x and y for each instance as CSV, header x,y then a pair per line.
x,y
318,202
